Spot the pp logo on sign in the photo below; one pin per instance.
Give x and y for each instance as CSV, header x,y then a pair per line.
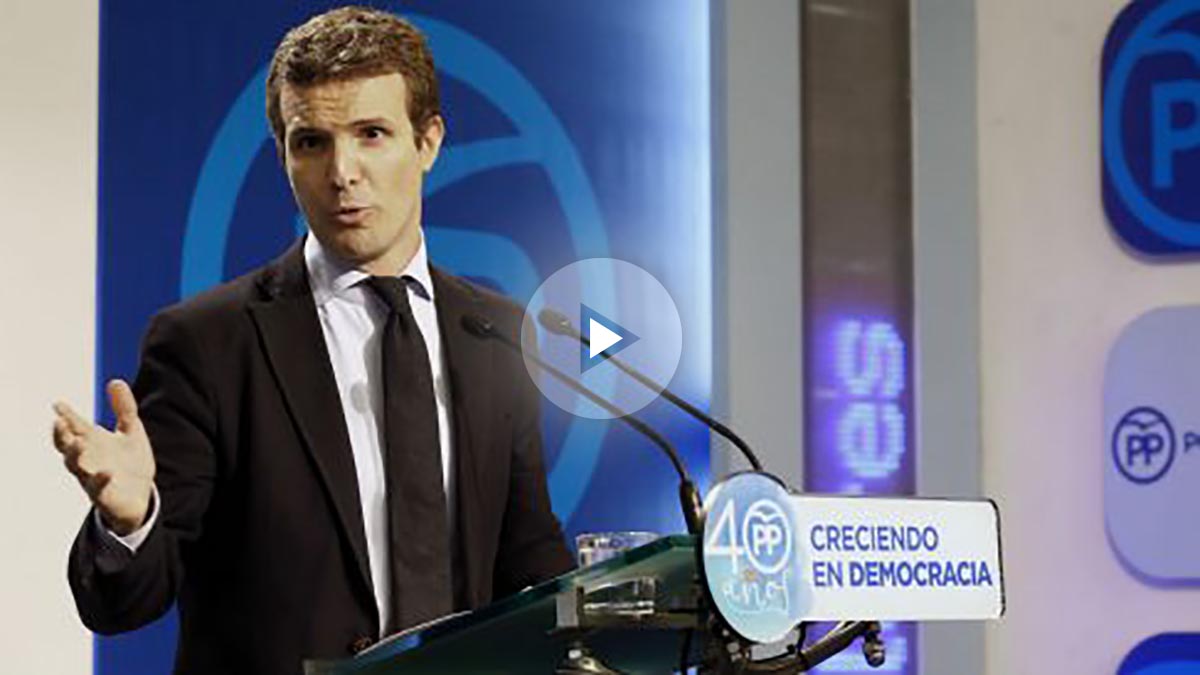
x,y
768,537
1143,445
1151,126
1151,444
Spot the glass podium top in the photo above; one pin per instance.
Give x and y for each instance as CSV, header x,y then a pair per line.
x,y
520,634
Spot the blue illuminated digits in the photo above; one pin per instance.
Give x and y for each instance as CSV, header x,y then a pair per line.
x,y
870,368
858,435
856,374
883,339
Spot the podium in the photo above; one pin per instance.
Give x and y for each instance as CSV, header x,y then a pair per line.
x,y
763,563
542,627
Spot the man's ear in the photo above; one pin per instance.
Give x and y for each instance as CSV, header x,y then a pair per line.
x,y
431,141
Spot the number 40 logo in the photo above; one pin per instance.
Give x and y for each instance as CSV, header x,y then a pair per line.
x,y
751,563
763,541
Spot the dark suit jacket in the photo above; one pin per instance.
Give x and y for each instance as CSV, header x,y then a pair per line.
x,y
260,535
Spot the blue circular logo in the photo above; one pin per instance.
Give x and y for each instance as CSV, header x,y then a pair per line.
x,y
1151,125
1143,445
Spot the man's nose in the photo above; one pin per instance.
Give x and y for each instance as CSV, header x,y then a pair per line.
x,y
345,169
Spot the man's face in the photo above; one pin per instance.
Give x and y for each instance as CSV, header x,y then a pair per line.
x,y
356,168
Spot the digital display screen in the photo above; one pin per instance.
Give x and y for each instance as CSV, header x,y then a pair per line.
x,y
857,250
856,144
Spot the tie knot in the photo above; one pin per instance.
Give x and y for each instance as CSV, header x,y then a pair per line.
x,y
393,291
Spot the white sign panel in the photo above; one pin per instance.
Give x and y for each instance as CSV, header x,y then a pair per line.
x,y
896,559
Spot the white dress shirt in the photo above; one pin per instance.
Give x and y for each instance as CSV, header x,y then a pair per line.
x,y
352,320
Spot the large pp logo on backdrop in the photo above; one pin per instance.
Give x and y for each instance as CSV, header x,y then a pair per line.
x,y
540,140
1151,126
1152,445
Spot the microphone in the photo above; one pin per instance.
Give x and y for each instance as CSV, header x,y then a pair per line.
x,y
556,322
689,494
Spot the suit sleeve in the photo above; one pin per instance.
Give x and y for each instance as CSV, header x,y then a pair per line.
x,y
115,589
532,547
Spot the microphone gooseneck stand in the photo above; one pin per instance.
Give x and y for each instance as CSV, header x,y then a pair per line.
x,y
557,323
578,659
689,495
724,652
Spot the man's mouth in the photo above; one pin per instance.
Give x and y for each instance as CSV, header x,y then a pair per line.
x,y
351,215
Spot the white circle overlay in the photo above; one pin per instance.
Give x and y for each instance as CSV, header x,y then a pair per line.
x,y
623,295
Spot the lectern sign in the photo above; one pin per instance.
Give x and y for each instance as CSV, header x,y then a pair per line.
x,y
773,559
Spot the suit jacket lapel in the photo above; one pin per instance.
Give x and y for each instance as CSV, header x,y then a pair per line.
x,y
295,347
469,362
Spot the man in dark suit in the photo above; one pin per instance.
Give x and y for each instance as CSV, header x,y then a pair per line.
x,y
318,453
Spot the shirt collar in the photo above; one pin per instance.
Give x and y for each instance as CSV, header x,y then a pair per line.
x,y
332,277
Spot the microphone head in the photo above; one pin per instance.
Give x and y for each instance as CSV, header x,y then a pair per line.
x,y
556,322
479,326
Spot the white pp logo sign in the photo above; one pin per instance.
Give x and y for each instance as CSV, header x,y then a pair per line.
x,y
1151,449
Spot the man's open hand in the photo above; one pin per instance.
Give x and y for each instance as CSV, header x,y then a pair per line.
x,y
115,468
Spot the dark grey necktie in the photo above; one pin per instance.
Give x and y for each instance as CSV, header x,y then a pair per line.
x,y
418,524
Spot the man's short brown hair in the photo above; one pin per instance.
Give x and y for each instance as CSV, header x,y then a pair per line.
x,y
353,42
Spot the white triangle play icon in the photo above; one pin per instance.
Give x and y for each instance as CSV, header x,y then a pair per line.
x,y
601,338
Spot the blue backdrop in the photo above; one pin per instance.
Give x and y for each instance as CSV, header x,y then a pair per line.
x,y
576,130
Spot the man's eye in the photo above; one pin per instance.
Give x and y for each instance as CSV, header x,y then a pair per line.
x,y
373,133
307,142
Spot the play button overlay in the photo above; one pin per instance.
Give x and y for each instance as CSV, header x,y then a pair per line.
x,y
605,338
614,308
